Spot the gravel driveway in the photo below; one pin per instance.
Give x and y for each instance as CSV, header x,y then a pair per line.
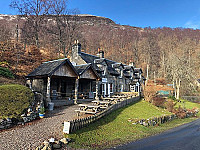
x,y
33,134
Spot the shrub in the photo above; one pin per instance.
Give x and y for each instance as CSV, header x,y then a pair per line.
x,y
180,113
148,95
6,73
158,101
170,105
172,97
14,100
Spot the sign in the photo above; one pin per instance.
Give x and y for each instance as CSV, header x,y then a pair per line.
x,y
104,80
66,128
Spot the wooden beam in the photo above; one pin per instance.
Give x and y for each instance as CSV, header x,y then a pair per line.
x,y
97,90
76,91
48,99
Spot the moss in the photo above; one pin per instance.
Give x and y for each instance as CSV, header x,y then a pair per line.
x,y
14,100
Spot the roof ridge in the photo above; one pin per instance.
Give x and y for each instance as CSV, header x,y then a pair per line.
x,y
55,60
84,64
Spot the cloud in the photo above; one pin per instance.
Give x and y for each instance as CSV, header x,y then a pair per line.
x,y
192,24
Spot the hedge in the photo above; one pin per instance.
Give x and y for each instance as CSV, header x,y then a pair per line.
x,y
6,73
14,99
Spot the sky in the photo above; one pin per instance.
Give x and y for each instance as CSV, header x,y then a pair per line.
x,y
138,13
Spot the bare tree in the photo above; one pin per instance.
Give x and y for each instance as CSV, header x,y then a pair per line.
x,y
33,11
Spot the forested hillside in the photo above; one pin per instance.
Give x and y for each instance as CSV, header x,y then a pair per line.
x,y
173,54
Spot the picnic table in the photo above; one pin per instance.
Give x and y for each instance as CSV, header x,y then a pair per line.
x,y
120,96
87,109
102,104
113,100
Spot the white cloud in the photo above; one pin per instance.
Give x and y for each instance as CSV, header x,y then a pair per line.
x,y
192,24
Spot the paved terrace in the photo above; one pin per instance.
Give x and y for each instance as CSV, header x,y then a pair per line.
x,y
33,134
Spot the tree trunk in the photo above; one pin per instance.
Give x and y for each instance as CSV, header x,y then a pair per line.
x,y
178,84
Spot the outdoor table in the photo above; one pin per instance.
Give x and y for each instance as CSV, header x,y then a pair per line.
x,y
102,103
115,96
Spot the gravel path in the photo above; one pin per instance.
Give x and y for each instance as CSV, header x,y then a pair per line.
x,y
32,135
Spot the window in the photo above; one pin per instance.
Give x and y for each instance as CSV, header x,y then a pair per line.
x,y
104,70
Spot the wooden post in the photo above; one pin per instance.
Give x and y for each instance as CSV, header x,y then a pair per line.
x,y
76,91
48,99
97,90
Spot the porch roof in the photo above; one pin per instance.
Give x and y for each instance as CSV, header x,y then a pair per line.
x,y
81,69
48,68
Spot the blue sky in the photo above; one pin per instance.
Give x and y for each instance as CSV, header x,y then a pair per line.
x,y
139,13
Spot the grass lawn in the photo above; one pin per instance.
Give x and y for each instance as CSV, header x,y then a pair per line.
x,y
115,128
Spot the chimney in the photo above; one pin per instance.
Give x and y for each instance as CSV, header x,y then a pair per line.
x,y
76,49
100,53
131,63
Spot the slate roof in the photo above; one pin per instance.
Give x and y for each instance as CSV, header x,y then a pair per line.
x,y
90,59
81,68
137,70
48,68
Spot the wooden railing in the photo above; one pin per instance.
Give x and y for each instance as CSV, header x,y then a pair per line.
x,y
79,123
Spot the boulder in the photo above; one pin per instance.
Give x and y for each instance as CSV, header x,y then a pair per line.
x,y
64,140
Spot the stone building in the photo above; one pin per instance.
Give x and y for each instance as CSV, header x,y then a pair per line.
x,y
84,76
62,83
114,76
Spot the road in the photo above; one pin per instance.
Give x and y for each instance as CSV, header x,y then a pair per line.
x,y
185,137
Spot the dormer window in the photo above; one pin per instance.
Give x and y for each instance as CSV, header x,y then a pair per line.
x,y
104,70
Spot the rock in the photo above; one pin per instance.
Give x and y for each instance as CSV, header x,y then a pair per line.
x,y
51,140
14,121
2,127
1,120
25,119
68,139
64,140
39,147
57,145
46,143
8,126
9,120
20,123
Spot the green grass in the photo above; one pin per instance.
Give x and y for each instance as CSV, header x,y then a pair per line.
x,y
115,128
187,104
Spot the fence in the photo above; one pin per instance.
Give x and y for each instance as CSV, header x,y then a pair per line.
x,y
79,123
195,99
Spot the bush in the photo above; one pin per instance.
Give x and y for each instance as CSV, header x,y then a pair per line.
x,y
6,73
14,100
172,97
180,113
170,105
158,101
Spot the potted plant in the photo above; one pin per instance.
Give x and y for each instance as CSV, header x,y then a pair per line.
x,y
42,112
